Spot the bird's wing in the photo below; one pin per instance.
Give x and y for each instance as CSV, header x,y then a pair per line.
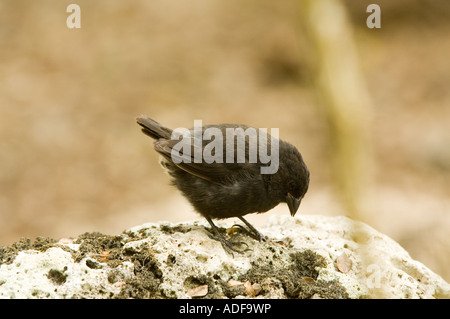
x,y
219,173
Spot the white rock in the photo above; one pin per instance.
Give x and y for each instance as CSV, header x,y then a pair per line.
x,y
29,276
380,266
169,260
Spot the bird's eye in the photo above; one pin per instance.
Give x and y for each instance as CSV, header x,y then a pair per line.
x,y
291,186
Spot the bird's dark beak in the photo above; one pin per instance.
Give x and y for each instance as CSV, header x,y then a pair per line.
x,y
293,203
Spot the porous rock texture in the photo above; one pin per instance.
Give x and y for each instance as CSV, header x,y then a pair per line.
x,y
309,256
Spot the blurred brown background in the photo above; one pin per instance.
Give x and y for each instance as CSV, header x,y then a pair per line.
x,y
73,159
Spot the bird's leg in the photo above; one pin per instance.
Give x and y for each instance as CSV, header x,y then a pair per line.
x,y
227,245
254,233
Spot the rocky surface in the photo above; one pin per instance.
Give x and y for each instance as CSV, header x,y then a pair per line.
x,y
304,257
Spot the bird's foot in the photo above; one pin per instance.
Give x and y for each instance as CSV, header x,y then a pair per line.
x,y
229,246
252,233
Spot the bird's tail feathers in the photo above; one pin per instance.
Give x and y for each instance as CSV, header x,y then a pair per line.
x,y
152,128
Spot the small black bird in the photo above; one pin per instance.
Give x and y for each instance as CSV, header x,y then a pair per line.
x,y
224,189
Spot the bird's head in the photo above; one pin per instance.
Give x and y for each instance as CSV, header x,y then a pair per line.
x,y
295,177
296,191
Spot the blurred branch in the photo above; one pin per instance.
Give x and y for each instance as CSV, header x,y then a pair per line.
x,y
347,109
343,96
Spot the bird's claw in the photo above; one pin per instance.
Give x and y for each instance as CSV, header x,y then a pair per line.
x,y
255,235
229,245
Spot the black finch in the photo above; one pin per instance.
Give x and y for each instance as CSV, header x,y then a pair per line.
x,y
224,189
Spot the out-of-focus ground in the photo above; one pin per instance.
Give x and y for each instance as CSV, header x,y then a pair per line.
x,y
73,160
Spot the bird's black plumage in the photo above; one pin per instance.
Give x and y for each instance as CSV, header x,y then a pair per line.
x,y
223,190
